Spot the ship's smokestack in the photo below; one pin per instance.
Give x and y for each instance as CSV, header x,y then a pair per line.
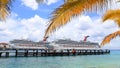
x,y
45,39
85,38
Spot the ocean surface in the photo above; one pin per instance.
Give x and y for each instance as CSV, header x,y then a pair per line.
x,y
111,60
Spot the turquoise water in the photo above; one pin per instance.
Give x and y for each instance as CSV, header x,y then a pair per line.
x,y
93,61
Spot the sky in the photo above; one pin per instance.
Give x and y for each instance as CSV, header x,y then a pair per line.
x,y
28,20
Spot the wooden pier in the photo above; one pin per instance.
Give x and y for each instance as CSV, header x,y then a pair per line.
x,y
45,52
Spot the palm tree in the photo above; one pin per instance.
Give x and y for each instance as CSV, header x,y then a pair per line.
x,y
112,15
71,8
5,6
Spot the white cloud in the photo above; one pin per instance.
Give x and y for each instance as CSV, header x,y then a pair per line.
x,y
34,5
30,3
84,25
33,29
49,2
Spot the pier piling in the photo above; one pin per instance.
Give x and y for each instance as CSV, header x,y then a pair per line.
x,y
7,54
36,52
16,53
0,54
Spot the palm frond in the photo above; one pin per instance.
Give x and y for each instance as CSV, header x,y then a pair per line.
x,y
112,15
64,13
108,38
4,8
